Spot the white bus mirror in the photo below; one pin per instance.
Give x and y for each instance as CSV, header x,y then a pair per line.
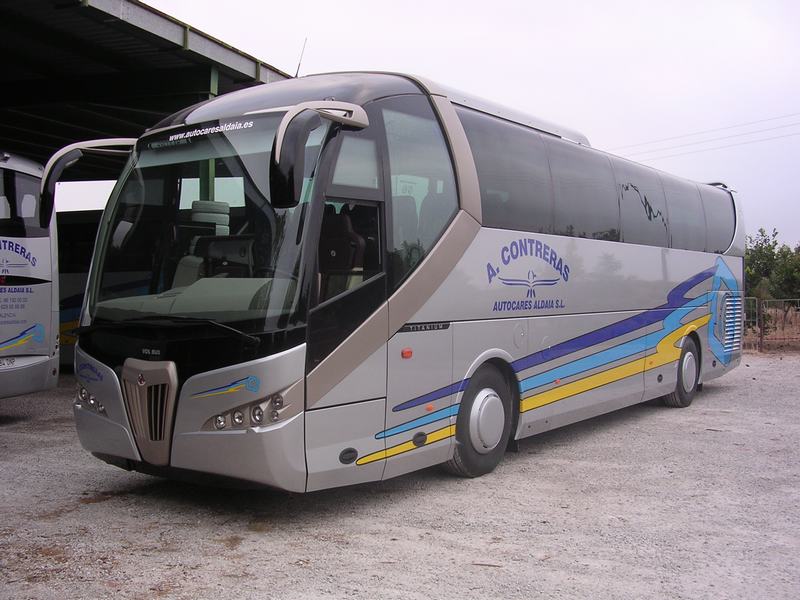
x,y
53,172
68,156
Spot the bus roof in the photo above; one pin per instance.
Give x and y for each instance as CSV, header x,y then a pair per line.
x,y
503,112
356,87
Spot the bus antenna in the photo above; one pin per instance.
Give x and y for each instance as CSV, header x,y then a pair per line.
x,y
297,72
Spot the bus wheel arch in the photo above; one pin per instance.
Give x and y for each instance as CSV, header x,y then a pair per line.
x,y
689,369
485,420
513,390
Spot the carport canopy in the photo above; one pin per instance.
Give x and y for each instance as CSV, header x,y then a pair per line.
x,y
82,69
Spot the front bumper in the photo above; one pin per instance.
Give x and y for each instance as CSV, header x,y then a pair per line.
x,y
270,455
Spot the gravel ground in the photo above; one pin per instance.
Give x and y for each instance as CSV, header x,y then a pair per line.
x,y
645,502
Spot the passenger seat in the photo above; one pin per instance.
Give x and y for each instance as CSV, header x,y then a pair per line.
x,y
215,217
341,254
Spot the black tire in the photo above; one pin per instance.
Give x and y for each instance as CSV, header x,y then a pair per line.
x,y
467,461
682,397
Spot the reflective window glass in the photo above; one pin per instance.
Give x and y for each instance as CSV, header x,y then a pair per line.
x,y
586,202
642,206
687,223
424,196
720,218
357,165
516,192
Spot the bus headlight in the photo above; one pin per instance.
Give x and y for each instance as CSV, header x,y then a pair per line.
x,y
85,399
265,411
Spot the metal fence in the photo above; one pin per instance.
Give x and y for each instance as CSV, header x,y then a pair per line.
x,y
771,324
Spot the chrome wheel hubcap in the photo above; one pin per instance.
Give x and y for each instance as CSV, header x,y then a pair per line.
x,y
688,372
486,421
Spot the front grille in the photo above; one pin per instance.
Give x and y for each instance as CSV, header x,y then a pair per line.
x,y
156,408
733,323
149,390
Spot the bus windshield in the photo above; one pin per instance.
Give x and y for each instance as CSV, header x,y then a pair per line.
x,y
191,232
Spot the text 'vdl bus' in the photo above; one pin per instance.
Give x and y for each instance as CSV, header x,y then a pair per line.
x,y
343,278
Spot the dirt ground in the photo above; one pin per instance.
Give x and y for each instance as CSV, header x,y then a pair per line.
x,y
646,502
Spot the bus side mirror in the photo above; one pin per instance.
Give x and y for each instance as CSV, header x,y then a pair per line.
x,y
287,160
68,156
48,192
286,171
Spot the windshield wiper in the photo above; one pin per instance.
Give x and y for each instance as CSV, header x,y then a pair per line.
x,y
143,320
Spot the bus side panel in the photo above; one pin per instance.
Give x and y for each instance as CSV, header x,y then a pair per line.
x,y
615,302
341,446
366,382
28,333
420,421
663,379
580,366
477,342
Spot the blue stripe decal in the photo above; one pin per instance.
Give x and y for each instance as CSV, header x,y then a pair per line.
x,y
449,390
586,363
449,411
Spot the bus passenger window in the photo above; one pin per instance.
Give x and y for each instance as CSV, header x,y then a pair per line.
x,y
586,203
424,197
720,218
687,223
643,208
514,178
357,165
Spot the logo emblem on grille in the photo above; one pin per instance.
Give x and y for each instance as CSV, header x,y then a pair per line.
x,y
141,380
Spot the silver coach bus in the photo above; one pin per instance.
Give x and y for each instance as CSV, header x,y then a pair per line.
x,y
343,278
28,288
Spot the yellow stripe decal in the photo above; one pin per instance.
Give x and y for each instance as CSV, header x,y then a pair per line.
x,y
221,392
666,352
433,436
18,342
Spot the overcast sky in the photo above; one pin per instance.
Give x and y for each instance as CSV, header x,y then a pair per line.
x,y
621,72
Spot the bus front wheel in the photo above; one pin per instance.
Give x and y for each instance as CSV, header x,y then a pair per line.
x,y
483,424
688,374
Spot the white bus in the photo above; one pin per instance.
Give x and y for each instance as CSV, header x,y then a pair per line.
x,y
343,278
28,288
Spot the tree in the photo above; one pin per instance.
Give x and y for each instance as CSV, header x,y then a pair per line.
x,y
759,260
771,271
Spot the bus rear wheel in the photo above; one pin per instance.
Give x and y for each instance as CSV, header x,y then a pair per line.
x,y
688,374
483,424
